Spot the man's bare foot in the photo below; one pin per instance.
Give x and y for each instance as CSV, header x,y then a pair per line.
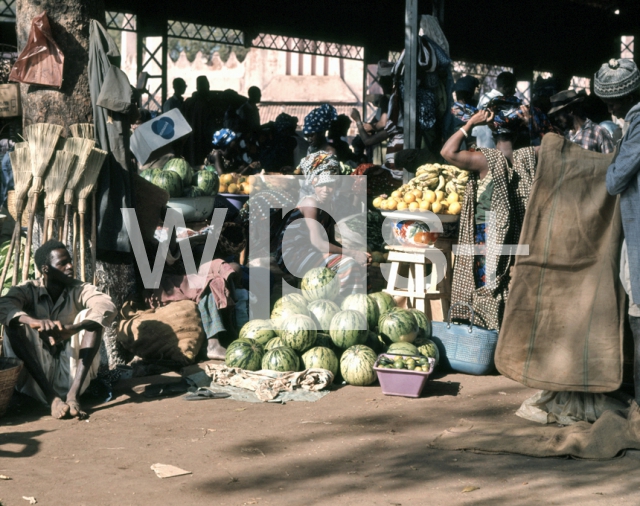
x,y
215,351
59,408
75,410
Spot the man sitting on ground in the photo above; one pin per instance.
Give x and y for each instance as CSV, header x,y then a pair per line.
x,y
567,112
54,325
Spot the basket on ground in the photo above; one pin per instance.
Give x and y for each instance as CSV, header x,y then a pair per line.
x,y
9,371
402,382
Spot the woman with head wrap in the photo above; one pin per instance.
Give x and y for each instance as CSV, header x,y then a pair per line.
x,y
500,183
316,124
310,242
230,153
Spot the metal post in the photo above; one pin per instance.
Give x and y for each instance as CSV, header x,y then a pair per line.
x,y
410,72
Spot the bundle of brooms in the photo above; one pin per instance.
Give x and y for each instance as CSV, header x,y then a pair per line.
x,y
81,148
54,186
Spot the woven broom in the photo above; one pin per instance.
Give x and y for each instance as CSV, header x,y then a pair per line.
x,y
54,186
83,190
21,167
83,130
81,148
42,138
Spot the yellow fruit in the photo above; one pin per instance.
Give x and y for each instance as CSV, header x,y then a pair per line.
x,y
413,206
247,189
251,180
226,179
402,206
436,207
242,179
417,193
383,205
424,205
409,198
455,208
233,188
223,188
391,204
396,194
429,196
377,201
439,195
453,197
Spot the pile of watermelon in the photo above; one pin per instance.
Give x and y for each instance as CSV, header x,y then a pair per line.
x,y
312,330
178,179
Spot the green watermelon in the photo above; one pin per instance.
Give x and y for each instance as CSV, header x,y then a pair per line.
x,y
274,343
299,332
374,342
348,328
364,304
260,330
291,298
384,301
280,314
192,191
320,283
169,181
181,167
281,359
208,182
245,355
323,311
321,358
402,348
356,365
423,322
149,174
325,341
427,348
398,325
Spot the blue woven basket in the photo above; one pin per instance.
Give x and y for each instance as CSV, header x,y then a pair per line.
x,y
465,348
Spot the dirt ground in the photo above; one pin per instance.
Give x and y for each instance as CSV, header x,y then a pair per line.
x,y
353,447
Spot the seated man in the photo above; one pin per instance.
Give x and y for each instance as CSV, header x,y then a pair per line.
x,y
54,325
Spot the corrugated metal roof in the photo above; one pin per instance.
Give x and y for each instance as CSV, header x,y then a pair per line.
x,y
269,112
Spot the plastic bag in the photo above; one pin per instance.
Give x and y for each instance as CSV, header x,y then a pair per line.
x,y
41,61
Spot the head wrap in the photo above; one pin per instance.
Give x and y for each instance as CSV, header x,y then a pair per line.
x,y
222,138
319,120
321,165
508,118
285,123
617,78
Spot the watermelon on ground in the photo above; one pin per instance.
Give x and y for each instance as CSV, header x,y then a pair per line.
x,y
384,301
423,322
192,191
291,298
208,182
280,314
398,325
364,304
274,343
325,341
320,283
149,174
402,348
245,355
299,332
321,358
323,311
281,359
260,330
356,365
374,342
181,167
169,181
348,328
427,348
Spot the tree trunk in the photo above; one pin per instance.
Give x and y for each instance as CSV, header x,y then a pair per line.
x,y
69,20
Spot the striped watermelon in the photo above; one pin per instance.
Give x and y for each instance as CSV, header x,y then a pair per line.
x,y
356,365
260,330
208,182
325,341
149,174
274,343
320,283
402,348
348,328
423,322
281,359
280,314
321,358
295,298
299,332
427,348
384,301
323,311
364,304
181,167
190,192
245,355
398,325
169,181
374,342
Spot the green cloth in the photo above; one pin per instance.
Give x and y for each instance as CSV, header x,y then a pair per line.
x,y
484,201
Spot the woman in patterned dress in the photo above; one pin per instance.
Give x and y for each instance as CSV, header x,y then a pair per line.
x,y
500,184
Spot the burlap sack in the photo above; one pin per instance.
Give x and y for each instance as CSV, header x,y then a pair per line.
x,y
172,332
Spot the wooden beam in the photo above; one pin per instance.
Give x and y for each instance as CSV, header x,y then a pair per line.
x,y
410,72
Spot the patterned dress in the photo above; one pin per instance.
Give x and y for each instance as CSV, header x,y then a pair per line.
x,y
512,185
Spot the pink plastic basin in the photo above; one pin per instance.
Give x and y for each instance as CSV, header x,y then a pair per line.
x,y
402,382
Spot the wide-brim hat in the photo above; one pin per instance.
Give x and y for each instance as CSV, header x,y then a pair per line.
x,y
564,99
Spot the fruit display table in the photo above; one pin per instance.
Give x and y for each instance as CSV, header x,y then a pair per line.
x,y
410,262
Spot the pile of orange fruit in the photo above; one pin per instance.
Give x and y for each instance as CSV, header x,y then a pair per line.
x,y
235,184
419,200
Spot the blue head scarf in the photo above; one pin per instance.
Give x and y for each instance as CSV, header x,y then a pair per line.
x,y
222,138
320,119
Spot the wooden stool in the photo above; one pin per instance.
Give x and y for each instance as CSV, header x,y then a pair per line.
x,y
410,261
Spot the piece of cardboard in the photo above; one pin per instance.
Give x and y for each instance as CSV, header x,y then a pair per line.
x,y
152,136
168,471
10,100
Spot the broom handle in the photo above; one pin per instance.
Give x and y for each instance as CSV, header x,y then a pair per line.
x,y
45,230
82,263
65,224
33,204
7,259
16,261
74,242
94,236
